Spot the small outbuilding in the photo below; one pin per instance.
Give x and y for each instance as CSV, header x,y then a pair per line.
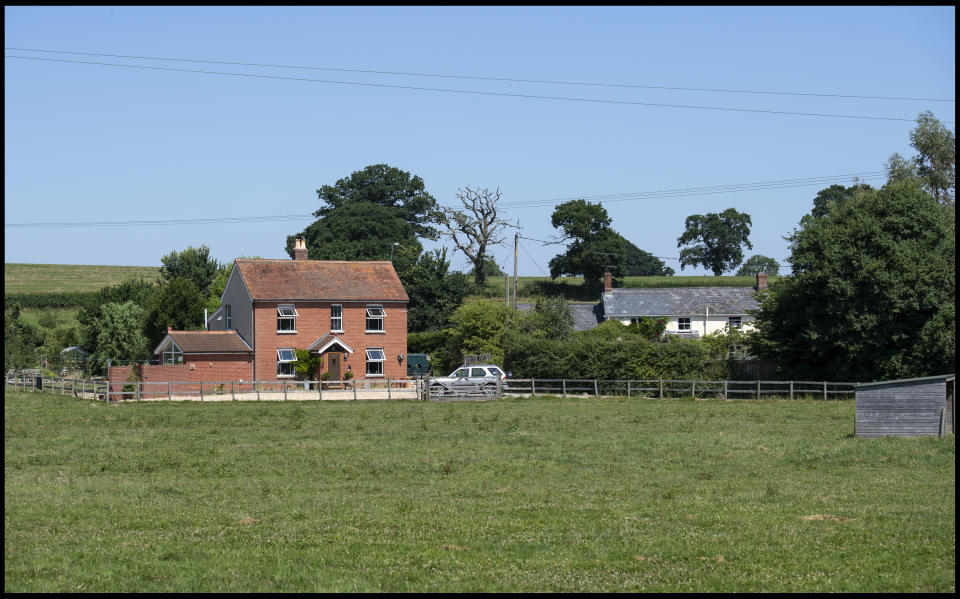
x,y
906,407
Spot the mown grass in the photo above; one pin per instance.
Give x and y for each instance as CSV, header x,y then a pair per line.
x,y
64,278
515,495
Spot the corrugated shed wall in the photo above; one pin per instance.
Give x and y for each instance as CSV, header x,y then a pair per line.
x,y
905,409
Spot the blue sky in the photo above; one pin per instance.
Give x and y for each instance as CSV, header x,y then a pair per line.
x,y
88,143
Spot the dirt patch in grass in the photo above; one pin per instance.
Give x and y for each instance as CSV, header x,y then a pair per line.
x,y
828,517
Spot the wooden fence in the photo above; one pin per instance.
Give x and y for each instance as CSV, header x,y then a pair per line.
x,y
393,389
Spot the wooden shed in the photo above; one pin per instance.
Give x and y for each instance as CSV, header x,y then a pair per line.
x,y
906,407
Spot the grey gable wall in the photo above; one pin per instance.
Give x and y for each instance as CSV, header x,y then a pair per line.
x,y
236,295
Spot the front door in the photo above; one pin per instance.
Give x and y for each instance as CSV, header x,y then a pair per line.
x,y
333,359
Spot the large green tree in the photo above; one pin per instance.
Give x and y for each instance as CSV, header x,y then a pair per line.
x,y
592,245
935,164
872,294
177,304
119,334
759,263
193,264
715,241
137,291
434,292
20,340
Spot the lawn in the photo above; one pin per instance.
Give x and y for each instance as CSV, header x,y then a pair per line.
x,y
515,495
64,278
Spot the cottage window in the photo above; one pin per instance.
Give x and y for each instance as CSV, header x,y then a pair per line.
x,y
735,322
336,318
683,324
285,359
375,360
229,317
286,318
375,316
172,354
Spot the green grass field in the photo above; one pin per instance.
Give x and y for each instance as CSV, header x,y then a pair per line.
x,y
62,278
515,495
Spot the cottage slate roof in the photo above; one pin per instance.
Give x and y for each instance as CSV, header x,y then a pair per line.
x,y
321,280
678,301
585,316
206,342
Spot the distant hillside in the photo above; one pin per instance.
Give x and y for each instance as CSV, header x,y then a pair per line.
x,y
69,278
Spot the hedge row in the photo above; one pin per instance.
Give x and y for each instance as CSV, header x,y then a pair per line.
x,y
71,299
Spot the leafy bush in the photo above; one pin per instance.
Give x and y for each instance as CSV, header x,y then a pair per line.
x,y
72,299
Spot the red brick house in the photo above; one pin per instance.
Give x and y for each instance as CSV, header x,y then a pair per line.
x,y
353,314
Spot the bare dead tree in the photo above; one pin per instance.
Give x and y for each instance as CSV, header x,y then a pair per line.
x,y
476,228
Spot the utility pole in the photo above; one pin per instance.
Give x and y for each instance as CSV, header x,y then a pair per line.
x,y
516,261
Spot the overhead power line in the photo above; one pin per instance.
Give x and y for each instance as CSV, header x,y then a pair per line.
x,y
483,78
645,195
472,92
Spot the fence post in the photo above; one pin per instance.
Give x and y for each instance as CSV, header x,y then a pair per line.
x,y
533,387
791,389
758,389
724,389
257,385
320,390
201,390
61,386
388,389
169,394
564,387
596,392
693,389
354,385
628,388
232,396
661,388
824,389
284,390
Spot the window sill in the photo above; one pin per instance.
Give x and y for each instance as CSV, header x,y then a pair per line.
x,y
376,332
285,376
339,332
375,376
286,332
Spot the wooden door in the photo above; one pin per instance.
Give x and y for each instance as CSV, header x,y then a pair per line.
x,y
333,361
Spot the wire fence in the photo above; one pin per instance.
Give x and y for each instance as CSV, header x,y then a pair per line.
x,y
396,389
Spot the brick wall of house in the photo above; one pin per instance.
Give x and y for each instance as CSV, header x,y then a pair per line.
x,y
313,322
206,367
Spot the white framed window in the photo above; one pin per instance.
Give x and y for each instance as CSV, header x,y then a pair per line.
x,y
172,354
735,322
375,316
375,360
683,324
285,359
229,317
336,318
286,318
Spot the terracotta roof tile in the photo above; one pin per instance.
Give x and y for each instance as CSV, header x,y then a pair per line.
x,y
321,280
207,342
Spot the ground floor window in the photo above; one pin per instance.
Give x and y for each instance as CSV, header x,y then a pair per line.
x,y
285,361
375,360
683,324
735,322
172,354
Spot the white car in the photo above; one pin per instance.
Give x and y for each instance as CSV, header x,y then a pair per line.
x,y
474,374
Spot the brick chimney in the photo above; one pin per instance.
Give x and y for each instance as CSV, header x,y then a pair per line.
x,y
761,281
299,249
607,282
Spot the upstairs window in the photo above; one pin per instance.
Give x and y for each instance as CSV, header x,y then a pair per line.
x,y
375,360
375,316
336,318
735,322
286,318
683,324
285,359
172,354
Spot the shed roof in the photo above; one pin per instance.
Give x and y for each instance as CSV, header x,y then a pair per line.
x,y
678,301
206,342
321,280
937,377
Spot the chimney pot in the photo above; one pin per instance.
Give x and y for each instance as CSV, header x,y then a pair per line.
x,y
607,282
299,249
